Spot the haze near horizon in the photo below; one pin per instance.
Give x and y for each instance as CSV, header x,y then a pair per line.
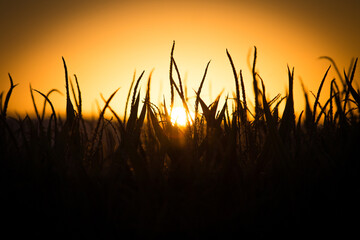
x,y
104,42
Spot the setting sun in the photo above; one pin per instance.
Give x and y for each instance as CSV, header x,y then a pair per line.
x,y
179,116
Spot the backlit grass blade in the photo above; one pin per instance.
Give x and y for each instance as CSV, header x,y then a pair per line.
x,y
318,93
35,107
74,95
210,112
339,112
273,134
133,115
323,110
130,123
136,87
255,87
243,97
79,96
140,122
78,100
46,101
179,78
69,107
308,112
336,68
96,130
214,105
166,115
161,136
244,117
52,109
171,77
8,95
241,111
199,89
128,97
355,95
288,118
221,115
237,88
121,125
79,107
179,89
3,113
298,125
275,111
352,66
147,96
269,118
332,94
182,97
205,109
197,120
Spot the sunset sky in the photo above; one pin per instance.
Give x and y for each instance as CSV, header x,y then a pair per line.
x,y
104,42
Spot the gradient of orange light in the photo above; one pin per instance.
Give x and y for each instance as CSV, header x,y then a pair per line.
x,y
105,49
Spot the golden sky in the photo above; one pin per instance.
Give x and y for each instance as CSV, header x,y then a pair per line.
x,y
104,42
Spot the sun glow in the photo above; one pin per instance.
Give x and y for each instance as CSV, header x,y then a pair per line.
x,y
103,45
180,117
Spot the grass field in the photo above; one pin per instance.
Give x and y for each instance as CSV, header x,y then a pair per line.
x,y
231,171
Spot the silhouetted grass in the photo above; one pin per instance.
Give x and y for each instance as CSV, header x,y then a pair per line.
x,y
231,171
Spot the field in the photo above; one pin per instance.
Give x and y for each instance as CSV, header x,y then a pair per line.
x,y
231,171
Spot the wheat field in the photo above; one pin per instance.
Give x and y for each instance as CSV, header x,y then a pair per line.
x,y
231,171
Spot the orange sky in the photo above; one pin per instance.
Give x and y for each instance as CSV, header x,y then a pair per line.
x,y
103,43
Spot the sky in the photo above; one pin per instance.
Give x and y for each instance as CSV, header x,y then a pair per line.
x,y
105,42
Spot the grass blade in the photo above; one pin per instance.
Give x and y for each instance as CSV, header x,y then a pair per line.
x,y
136,87
179,77
52,108
79,96
355,95
128,97
171,77
199,89
288,118
45,101
255,87
35,107
336,68
7,98
237,88
96,131
318,93
69,107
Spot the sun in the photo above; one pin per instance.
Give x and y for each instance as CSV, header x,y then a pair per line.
x,y
179,116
